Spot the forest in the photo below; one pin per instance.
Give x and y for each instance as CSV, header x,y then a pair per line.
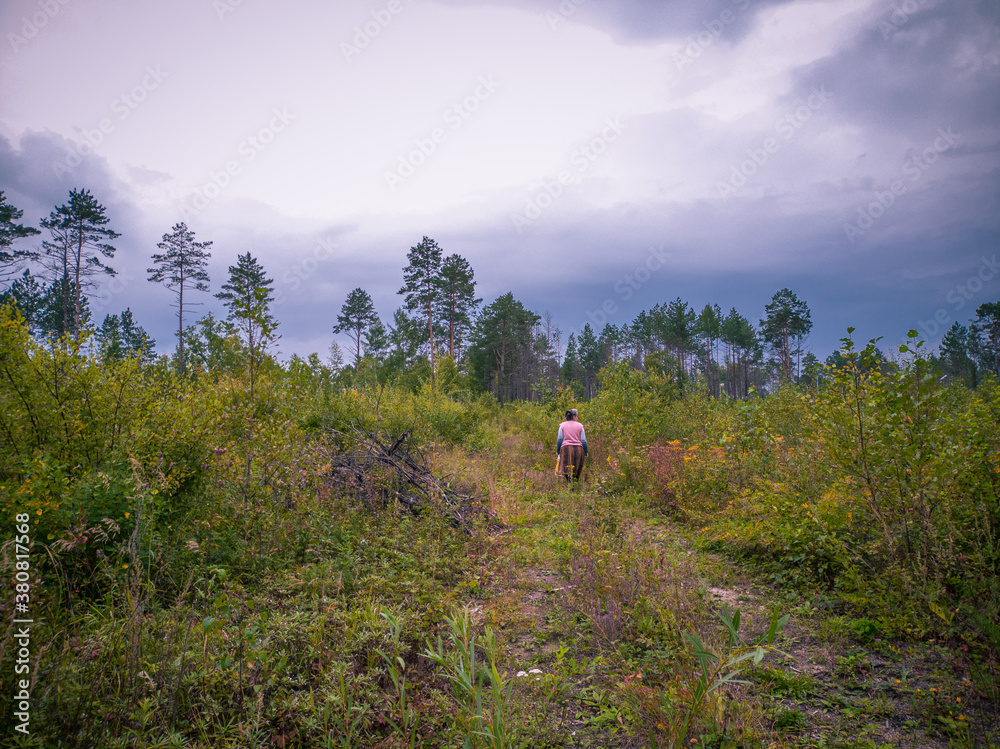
x,y
501,348
216,548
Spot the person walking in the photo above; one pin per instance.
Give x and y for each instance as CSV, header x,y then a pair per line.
x,y
571,446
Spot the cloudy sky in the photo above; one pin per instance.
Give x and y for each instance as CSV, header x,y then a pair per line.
x,y
594,158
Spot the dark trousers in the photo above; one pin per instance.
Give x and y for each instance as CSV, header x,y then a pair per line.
x,y
571,457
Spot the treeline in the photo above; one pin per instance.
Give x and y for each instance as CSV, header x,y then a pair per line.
x,y
441,327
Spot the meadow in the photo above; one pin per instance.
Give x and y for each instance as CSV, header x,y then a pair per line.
x,y
815,568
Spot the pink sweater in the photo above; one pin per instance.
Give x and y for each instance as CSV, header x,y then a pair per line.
x,y
571,433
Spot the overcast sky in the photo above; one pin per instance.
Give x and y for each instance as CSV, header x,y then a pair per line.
x,y
594,158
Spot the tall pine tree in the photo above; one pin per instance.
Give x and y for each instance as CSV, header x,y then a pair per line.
x,y
422,288
742,344
590,357
9,232
787,318
248,297
708,327
458,301
987,324
355,318
501,343
80,238
183,265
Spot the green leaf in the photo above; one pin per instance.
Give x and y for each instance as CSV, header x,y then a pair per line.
x,y
774,626
729,678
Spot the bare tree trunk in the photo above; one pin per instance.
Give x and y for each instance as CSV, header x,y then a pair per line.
x,y
786,361
451,331
430,330
180,327
76,291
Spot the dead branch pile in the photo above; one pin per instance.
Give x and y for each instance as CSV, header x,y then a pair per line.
x,y
384,471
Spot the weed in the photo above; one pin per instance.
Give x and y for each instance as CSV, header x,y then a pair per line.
x,y
409,719
790,721
693,702
850,667
481,724
783,684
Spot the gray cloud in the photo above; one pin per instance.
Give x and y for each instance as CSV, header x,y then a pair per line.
x,y
641,21
911,100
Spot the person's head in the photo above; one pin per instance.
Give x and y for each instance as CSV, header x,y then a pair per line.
x,y
569,414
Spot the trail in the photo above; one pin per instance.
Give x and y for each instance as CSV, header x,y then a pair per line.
x,y
824,685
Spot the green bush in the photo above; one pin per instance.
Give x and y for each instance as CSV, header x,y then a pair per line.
x,y
882,486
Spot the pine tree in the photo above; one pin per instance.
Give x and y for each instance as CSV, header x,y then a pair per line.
x,y
10,231
119,337
248,297
335,357
546,355
677,330
988,324
708,327
501,342
629,345
589,353
53,319
570,371
355,318
742,347
812,370
28,296
404,336
642,335
458,300
787,318
182,265
422,286
954,354
80,238
57,262
376,340
137,340
609,342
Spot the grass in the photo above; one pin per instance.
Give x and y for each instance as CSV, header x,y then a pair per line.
x,y
394,631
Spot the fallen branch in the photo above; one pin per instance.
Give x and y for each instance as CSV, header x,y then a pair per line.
x,y
407,477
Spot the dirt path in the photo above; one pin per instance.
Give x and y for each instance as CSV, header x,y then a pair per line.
x,y
836,682
833,680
